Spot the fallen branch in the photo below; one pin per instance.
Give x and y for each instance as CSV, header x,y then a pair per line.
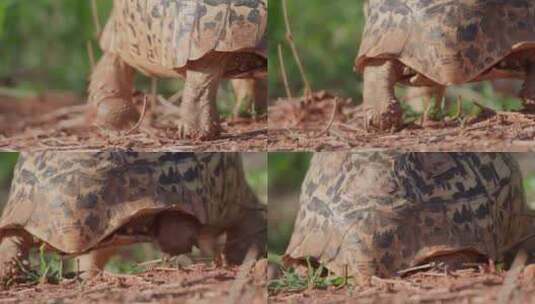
x,y
295,52
331,119
141,117
511,280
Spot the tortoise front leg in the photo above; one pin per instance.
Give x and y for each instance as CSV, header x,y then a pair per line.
x,y
249,231
380,77
14,251
199,118
528,89
110,94
90,264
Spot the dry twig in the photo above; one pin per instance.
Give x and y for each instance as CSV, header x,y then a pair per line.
x,y
295,52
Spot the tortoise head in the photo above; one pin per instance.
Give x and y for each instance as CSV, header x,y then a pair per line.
x,y
175,232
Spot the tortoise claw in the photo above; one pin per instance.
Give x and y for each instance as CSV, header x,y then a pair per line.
x,y
389,119
115,114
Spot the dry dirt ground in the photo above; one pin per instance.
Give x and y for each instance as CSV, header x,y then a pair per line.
x,y
57,121
301,124
197,283
463,286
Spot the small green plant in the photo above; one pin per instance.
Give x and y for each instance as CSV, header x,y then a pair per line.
x,y
292,281
118,265
48,270
500,267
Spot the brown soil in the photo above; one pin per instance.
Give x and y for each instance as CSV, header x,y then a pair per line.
x,y
57,121
463,286
197,283
301,124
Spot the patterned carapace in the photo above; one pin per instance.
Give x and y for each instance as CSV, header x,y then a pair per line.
x,y
161,37
449,42
75,201
379,212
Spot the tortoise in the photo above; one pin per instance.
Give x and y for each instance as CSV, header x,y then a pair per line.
x,y
376,213
251,97
441,43
202,41
89,204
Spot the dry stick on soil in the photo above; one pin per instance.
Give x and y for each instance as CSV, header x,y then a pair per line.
x,y
283,73
153,98
96,24
510,282
331,120
290,39
420,267
96,18
241,278
91,54
153,91
138,123
459,110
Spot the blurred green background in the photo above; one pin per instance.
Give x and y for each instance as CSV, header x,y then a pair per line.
x,y
286,173
126,261
43,44
328,35
44,47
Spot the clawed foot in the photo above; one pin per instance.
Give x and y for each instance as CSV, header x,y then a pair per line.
x,y
200,123
389,119
8,270
115,114
11,266
205,131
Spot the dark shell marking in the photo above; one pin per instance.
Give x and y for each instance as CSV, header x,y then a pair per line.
x,y
73,201
450,42
380,212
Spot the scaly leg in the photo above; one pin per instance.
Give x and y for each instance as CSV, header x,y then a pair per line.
x,y
13,250
110,94
249,231
94,262
244,90
380,77
528,89
419,97
198,111
249,92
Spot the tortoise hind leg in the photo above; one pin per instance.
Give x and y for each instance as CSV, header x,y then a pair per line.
x,y
528,89
380,77
90,264
244,90
199,118
250,231
419,98
13,250
426,99
251,97
110,94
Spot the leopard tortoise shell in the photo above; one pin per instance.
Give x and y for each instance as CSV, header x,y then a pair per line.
x,y
202,41
376,213
75,203
162,37
441,43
